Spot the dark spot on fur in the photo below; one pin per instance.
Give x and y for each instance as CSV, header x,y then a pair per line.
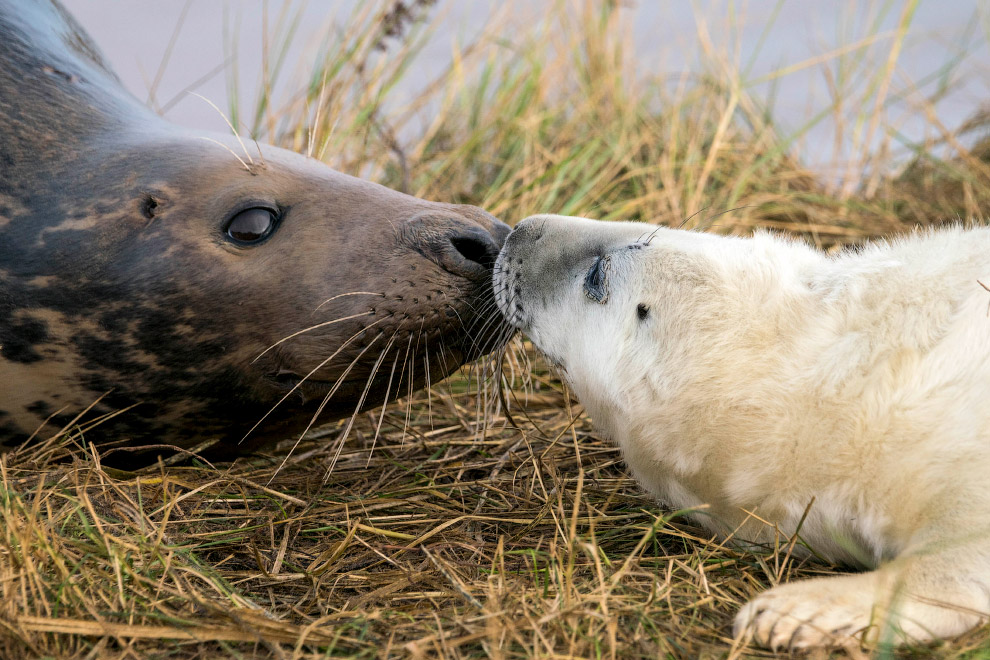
x,y
18,341
102,354
158,335
40,408
11,436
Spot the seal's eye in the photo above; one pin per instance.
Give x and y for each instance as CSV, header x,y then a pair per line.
x,y
251,225
642,311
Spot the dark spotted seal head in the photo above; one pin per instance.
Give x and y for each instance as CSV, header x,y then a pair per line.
x,y
190,285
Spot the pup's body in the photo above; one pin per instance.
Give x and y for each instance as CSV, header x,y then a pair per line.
x,y
755,376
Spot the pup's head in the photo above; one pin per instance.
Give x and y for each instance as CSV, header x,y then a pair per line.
x,y
625,310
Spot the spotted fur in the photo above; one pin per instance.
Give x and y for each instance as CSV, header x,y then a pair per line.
x,y
118,285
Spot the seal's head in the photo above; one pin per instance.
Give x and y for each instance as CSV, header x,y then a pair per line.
x,y
199,283
625,310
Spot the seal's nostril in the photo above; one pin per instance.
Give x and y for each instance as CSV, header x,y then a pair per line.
x,y
456,244
476,250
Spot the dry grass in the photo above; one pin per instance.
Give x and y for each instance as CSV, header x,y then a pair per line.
x,y
458,534
451,538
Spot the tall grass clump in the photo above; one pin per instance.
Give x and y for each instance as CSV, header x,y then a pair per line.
x,y
452,533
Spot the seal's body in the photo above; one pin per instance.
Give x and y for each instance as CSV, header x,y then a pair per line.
x,y
843,398
195,285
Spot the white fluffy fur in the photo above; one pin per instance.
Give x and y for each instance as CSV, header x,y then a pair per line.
x,y
767,375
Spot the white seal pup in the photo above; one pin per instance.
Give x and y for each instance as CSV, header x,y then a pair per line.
x,y
847,397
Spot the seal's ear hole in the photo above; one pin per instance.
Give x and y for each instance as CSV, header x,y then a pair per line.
x,y
148,206
642,311
251,225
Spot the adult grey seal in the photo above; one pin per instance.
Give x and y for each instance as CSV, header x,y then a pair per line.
x,y
187,293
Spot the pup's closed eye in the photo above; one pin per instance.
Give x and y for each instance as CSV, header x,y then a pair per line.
x,y
596,281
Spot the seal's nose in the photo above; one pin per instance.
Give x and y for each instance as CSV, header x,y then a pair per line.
x,y
458,244
477,247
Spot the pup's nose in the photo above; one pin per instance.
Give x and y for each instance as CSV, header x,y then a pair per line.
x,y
457,244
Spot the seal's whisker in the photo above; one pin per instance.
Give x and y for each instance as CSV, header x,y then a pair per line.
x,y
398,387
357,409
412,367
310,329
339,381
444,351
481,372
508,352
680,226
295,387
483,405
483,311
232,130
411,385
474,335
488,319
388,390
485,296
457,314
495,364
441,356
482,332
349,293
326,399
261,156
467,329
708,220
232,153
429,387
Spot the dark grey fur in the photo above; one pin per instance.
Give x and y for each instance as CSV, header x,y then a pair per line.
x,y
117,281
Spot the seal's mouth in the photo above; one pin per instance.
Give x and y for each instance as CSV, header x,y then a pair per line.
x,y
336,393
289,381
